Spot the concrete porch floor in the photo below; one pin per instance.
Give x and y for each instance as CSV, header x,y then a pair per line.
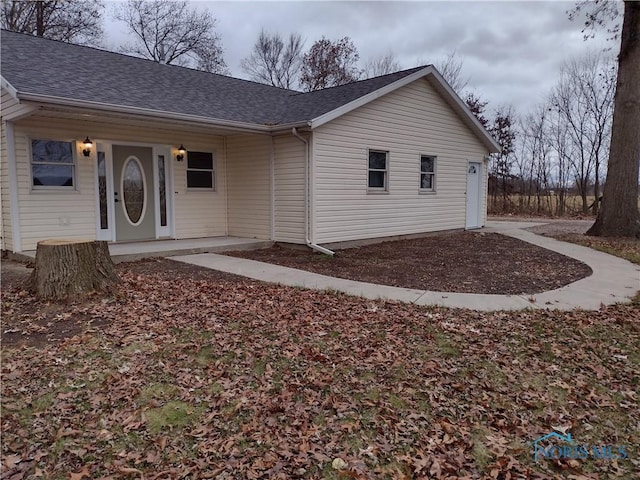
x,y
130,251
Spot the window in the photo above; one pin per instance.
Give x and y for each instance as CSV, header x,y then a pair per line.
x,y
162,190
200,170
102,190
378,169
427,173
52,163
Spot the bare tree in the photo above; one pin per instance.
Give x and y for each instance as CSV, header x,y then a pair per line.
x,y
451,69
559,137
503,130
275,62
382,65
584,101
477,107
72,21
169,32
329,64
619,215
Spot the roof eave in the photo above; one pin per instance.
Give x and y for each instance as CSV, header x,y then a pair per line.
x,y
286,127
4,83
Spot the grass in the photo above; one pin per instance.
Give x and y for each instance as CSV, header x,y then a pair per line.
x,y
548,206
174,414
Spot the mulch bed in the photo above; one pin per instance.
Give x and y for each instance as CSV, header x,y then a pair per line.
x,y
466,262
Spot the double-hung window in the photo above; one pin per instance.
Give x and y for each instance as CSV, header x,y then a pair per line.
x,y
52,164
201,170
378,170
427,173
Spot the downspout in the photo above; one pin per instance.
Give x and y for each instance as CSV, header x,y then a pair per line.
x,y
307,190
272,188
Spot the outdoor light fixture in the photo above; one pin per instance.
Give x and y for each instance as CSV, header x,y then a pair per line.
x,y
86,151
181,152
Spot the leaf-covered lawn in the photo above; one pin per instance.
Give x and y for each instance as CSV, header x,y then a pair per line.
x,y
187,373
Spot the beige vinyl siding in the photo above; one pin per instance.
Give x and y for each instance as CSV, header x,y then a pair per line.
x,y
248,183
72,214
200,213
289,189
12,108
408,122
6,230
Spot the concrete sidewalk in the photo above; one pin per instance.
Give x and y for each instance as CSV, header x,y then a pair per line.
x,y
614,280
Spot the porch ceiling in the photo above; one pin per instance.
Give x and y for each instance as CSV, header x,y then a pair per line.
x,y
155,123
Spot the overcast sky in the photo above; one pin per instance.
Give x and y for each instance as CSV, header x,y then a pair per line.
x,y
512,51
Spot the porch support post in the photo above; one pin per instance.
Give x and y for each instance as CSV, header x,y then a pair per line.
x,y
12,171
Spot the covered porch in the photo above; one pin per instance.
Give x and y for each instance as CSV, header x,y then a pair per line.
x,y
131,251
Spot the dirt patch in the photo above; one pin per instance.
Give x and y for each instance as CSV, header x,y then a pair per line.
x,y
26,321
13,274
469,262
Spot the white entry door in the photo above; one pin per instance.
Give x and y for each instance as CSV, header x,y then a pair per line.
x,y
474,197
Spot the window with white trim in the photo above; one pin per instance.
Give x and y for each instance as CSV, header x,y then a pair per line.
x,y
52,164
378,170
427,173
201,170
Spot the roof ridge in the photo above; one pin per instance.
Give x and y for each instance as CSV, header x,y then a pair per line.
x,y
406,70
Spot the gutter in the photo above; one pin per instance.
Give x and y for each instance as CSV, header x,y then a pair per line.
x,y
307,189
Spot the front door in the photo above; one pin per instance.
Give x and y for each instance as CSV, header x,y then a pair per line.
x,y
133,193
474,200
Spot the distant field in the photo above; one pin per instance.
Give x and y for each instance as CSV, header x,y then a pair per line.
x,y
545,205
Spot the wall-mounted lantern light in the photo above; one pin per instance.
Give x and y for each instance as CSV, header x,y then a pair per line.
x,y
181,153
86,151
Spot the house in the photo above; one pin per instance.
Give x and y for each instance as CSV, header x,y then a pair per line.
x,y
178,153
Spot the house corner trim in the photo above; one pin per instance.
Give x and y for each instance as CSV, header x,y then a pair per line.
x,y
12,171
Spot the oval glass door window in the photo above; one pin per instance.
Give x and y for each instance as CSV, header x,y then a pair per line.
x,y
133,190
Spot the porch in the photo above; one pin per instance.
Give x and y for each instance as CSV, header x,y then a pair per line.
x,y
131,251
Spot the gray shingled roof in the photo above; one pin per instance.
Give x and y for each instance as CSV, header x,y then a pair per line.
x,y
38,66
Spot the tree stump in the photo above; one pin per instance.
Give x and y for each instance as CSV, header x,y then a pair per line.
x,y
70,269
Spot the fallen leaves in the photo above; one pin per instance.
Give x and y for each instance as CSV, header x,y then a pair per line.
x,y
198,375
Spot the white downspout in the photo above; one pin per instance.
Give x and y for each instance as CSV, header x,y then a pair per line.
x,y
307,189
272,188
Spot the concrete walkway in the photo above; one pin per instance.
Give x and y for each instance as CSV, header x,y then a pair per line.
x,y
614,280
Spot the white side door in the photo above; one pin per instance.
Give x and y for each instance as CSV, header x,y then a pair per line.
x,y
474,199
